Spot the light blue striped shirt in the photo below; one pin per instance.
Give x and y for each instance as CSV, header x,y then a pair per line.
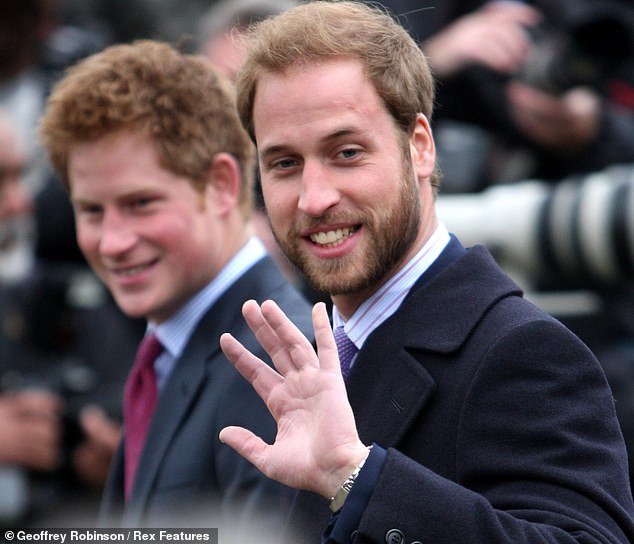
x,y
176,331
382,304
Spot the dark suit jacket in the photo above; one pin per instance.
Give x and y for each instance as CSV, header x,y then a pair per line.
x,y
498,422
186,476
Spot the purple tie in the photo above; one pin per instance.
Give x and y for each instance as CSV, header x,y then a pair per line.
x,y
139,398
346,349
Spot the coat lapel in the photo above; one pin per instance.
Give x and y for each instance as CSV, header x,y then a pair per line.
x,y
386,396
175,401
188,377
389,385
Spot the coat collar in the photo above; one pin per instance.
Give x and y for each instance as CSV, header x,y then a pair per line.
x,y
389,386
441,311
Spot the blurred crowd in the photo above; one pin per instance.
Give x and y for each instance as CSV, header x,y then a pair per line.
x,y
534,125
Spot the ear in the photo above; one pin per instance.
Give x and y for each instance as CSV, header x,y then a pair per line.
x,y
422,148
224,182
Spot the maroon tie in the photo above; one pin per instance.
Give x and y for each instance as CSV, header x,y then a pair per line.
x,y
139,398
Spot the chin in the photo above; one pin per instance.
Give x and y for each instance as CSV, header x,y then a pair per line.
x,y
131,308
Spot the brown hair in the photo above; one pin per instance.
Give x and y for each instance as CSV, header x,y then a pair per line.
x,y
317,30
179,100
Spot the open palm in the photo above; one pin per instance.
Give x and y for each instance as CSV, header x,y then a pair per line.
x,y
317,444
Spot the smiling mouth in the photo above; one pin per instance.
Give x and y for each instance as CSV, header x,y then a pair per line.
x,y
332,238
133,270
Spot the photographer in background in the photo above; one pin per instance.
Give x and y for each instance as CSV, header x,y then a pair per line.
x,y
61,340
539,89
29,420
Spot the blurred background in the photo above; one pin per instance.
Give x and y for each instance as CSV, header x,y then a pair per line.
x,y
534,125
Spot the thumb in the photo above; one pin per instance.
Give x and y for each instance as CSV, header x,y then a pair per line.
x,y
246,444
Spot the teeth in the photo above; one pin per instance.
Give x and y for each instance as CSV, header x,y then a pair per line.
x,y
132,271
331,237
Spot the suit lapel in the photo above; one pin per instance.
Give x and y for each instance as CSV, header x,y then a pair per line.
x,y
386,394
175,401
388,387
189,375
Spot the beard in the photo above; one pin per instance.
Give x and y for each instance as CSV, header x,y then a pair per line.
x,y
17,248
389,234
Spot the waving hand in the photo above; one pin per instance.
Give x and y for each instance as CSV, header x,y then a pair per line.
x,y
317,445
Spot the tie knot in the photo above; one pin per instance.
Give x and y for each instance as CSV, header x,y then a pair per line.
x,y
148,351
345,348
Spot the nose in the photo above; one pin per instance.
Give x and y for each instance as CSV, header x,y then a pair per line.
x,y
117,236
318,192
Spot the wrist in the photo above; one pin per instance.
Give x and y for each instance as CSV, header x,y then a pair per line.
x,y
337,500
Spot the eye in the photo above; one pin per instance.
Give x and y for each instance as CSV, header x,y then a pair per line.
x,y
88,210
141,202
349,153
284,164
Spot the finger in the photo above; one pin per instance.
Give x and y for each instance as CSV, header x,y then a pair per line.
x,y
301,351
515,12
260,375
99,428
507,52
38,401
246,444
532,99
41,449
266,336
326,346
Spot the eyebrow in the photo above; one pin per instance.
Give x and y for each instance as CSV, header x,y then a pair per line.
x,y
283,148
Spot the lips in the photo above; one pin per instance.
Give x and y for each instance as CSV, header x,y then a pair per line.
x,y
133,270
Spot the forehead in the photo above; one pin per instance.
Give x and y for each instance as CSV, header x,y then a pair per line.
x,y
114,151
117,163
321,95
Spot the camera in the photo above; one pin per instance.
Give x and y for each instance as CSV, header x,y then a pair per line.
x,y
68,378
576,234
582,45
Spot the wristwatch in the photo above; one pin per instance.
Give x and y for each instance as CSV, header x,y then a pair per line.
x,y
336,502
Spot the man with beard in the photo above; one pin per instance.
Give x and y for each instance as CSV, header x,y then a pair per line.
x,y
468,415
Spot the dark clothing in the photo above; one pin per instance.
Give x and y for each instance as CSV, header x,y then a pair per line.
x,y
498,423
186,477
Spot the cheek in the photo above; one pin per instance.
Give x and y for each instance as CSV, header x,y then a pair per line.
x,y
280,204
87,238
189,240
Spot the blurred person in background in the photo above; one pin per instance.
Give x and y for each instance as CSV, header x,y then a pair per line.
x,y
52,365
527,90
30,421
222,28
17,226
